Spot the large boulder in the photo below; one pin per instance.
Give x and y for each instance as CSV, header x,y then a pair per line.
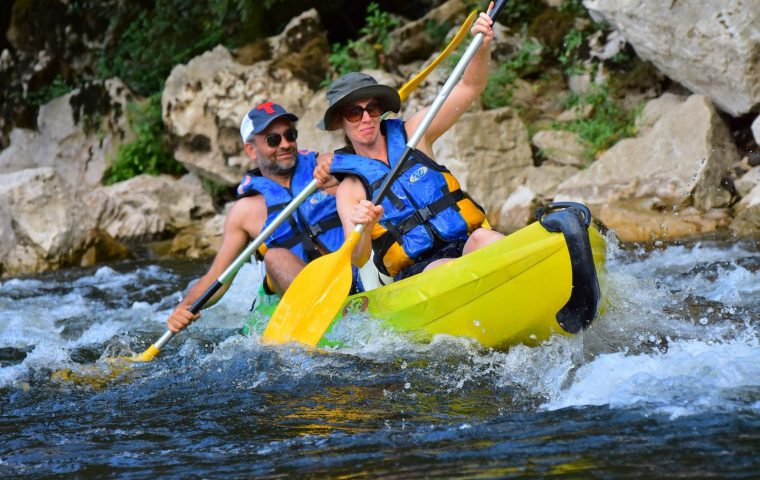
x,y
44,227
678,163
146,206
747,214
711,47
485,150
204,101
77,134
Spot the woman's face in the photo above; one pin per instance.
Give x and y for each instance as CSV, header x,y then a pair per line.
x,y
361,121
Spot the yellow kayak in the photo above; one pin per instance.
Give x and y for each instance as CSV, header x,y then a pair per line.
x,y
542,280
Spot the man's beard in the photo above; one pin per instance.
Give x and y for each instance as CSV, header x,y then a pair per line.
x,y
275,168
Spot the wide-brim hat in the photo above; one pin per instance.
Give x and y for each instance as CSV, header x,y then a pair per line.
x,y
357,86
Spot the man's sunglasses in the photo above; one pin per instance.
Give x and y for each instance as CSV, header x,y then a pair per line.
x,y
274,139
356,112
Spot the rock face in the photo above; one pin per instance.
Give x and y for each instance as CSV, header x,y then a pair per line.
x,y
43,227
204,101
676,164
484,150
712,47
146,206
77,135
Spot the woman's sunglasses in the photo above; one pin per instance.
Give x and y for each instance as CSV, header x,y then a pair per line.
x,y
274,139
356,112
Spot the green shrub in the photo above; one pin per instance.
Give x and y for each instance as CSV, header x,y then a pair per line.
x,y
367,52
149,152
608,122
153,41
498,92
58,87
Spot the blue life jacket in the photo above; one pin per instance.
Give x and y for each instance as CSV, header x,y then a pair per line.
x,y
425,202
315,223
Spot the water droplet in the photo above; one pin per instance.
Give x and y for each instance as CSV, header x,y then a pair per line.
x,y
404,365
407,385
703,320
476,323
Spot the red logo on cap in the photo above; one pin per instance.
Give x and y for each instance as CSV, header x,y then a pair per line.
x,y
267,107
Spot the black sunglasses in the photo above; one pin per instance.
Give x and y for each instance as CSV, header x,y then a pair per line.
x,y
356,112
274,139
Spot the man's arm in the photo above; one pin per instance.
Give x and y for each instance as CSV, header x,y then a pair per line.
x,y
469,88
244,221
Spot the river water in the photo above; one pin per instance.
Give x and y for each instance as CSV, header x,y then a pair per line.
x,y
665,384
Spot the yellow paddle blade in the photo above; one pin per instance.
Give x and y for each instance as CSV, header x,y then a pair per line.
x,y
103,373
409,86
313,299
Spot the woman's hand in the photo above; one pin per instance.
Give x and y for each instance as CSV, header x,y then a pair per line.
x,y
366,213
484,25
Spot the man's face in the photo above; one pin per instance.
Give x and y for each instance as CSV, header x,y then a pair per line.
x,y
274,153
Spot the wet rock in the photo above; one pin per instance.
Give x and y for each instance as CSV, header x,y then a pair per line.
x,y
747,182
44,227
747,214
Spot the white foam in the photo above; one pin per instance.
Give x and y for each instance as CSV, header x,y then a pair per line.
x,y
693,376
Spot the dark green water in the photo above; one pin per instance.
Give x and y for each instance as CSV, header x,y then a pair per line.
x,y
666,385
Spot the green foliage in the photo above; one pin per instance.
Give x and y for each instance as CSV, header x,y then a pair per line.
x,y
174,31
568,55
367,52
56,88
498,92
608,122
149,152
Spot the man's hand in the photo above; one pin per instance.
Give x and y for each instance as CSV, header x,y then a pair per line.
x,y
322,172
180,319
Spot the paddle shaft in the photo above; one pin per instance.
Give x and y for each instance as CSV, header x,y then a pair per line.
x,y
230,271
451,82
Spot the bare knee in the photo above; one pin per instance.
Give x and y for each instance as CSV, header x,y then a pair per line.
x,y
282,266
479,239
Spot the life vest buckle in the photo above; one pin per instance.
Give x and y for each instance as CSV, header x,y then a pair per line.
x,y
421,215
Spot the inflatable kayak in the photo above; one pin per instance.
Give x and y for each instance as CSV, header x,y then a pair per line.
x,y
541,280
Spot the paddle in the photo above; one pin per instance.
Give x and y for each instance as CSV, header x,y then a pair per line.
x,y
98,380
311,302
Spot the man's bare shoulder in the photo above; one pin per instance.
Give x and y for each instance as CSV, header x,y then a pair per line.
x,y
247,214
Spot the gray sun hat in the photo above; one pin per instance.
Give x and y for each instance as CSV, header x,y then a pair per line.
x,y
357,86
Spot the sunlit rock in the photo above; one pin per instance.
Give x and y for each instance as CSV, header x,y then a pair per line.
x,y
204,101
147,206
77,134
485,150
711,47
678,163
44,227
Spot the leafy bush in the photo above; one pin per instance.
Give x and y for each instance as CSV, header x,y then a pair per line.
x,y
58,87
498,92
367,52
149,152
174,31
608,122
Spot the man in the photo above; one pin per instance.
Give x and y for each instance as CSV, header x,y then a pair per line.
x,y
269,135
425,220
